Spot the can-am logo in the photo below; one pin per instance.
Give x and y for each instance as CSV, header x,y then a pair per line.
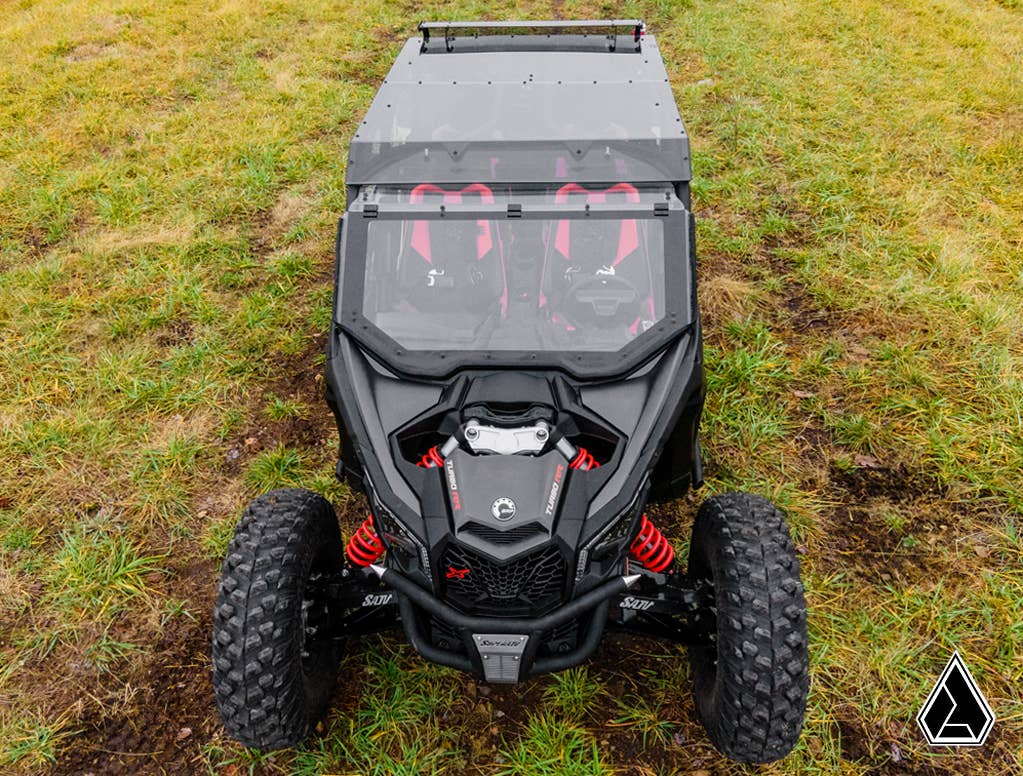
x,y
503,509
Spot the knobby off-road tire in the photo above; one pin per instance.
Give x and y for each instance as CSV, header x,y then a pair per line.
x,y
272,678
750,687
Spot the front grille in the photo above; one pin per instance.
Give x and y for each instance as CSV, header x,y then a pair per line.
x,y
531,584
511,536
556,641
563,638
445,636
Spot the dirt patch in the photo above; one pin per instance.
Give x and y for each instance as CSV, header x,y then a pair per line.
x,y
361,68
36,242
385,35
177,332
731,290
896,524
854,741
803,314
880,753
816,443
298,378
86,51
891,752
885,525
897,484
170,714
262,236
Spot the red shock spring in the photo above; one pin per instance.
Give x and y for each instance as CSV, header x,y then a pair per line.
x,y
584,461
432,459
651,548
364,547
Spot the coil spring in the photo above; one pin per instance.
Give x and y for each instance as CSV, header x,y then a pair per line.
x,y
364,547
584,461
651,548
432,459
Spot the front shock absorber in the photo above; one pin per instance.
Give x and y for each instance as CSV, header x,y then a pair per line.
x,y
578,457
432,459
584,460
651,548
365,546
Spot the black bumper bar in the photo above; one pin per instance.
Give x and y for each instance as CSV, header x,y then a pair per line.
x,y
595,601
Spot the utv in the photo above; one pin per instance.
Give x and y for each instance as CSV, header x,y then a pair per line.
x,y
515,368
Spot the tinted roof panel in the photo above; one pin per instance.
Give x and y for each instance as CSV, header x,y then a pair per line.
x,y
515,114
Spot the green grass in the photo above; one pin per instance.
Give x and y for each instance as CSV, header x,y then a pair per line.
x,y
549,746
399,726
276,468
574,693
33,742
281,409
647,719
170,178
93,570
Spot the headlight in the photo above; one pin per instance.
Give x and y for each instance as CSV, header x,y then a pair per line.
x,y
394,533
611,537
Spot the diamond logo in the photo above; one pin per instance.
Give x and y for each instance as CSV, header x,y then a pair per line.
x,y
956,712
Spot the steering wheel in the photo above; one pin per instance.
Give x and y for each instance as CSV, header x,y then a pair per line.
x,y
601,300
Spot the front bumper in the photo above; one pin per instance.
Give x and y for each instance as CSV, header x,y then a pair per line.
x,y
500,649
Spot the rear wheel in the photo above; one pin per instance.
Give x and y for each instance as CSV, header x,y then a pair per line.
x,y
750,686
274,661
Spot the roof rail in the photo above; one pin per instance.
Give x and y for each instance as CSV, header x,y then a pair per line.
x,y
450,29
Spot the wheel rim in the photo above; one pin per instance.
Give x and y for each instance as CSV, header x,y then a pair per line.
x,y
315,618
705,658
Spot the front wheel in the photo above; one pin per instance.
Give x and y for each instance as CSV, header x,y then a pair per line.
x,y
274,660
750,686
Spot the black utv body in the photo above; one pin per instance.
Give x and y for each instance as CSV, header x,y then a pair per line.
x,y
515,366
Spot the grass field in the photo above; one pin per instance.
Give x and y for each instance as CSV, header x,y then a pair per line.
x,y
170,177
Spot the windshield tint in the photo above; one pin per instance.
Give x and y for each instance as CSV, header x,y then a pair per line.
x,y
581,282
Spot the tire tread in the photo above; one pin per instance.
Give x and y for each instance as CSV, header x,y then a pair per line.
x,y
257,671
755,708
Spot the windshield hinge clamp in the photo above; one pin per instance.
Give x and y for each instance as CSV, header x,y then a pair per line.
x,y
369,211
514,210
660,208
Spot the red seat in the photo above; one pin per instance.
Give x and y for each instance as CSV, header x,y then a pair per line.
x,y
602,246
421,229
443,268
628,240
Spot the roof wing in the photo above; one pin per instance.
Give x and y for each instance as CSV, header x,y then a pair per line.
x,y
633,27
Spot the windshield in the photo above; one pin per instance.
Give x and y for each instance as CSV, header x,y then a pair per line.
x,y
585,281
